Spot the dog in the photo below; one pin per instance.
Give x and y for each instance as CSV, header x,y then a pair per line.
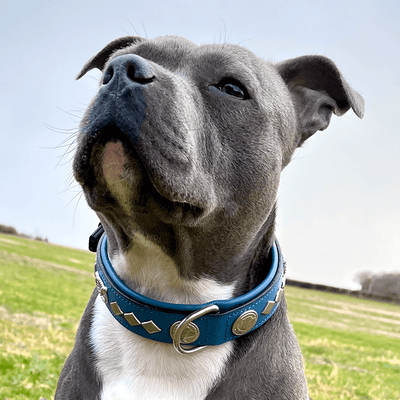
x,y
180,155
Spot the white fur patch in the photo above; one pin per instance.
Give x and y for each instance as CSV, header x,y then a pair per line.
x,y
149,271
137,368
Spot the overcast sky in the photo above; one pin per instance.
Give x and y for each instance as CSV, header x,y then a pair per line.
x,y
339,200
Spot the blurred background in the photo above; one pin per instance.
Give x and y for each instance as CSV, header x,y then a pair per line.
x,y
339,199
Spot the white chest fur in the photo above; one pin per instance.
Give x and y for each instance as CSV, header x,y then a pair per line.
x,y
135,368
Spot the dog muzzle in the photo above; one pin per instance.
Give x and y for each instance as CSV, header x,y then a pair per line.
x,y
188,327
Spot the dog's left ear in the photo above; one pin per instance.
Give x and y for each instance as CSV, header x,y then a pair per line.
x,y
101,58
318,89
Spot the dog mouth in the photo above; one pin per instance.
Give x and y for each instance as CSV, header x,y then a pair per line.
x,y
113,174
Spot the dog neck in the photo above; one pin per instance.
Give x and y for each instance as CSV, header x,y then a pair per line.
x,y
148,270
257,270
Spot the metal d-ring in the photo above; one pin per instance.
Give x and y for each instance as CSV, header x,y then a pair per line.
x,y
178,331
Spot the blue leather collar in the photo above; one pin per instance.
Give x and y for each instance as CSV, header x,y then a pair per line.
x,y
198,324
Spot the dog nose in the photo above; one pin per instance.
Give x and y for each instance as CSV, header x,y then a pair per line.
x,y
130,68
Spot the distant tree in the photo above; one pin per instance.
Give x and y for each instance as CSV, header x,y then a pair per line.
x,y
385,284
364,278
41,239
8,230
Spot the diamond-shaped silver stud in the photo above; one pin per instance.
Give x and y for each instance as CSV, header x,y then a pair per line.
x,y
131,318
279,295
270,304
115,307
151,327
268,308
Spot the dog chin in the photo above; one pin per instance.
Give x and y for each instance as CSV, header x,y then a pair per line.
x,y
117,181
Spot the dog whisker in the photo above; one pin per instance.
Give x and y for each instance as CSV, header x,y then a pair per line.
x,y
70,113
79,193
136,32
69,150
69,188
145,32
61,164
60,146
77,203
61,130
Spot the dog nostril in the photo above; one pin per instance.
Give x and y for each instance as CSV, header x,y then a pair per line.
x,y
139,74
131,72
108,75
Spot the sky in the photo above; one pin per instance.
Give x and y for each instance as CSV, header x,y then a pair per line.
x,y
339,199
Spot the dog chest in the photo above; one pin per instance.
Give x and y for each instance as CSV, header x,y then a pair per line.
x,y
132,367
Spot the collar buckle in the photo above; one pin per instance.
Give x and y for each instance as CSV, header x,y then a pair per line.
x,y
95,238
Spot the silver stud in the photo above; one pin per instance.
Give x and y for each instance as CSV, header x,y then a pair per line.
x,y
151,327
101,288
131,318
115,307
283,284
245,322
279,295
268,308
190,334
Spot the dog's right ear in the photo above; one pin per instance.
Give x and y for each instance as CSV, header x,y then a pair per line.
x,y
101,58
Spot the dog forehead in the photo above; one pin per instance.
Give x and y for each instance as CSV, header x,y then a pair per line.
x,y
163,50
178,52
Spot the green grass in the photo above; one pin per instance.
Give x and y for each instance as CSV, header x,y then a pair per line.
x,y
37,331
351,347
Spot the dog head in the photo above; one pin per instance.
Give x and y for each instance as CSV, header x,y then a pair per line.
x,y
183,146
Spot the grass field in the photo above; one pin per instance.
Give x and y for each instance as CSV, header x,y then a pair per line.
x,y
351,347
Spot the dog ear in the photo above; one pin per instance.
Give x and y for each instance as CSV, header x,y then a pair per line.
x,y
318,89
101,58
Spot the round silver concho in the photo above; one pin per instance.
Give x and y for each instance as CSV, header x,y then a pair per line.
x,y
245,322
189,335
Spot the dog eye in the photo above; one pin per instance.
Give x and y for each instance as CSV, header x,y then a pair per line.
x,y
233,88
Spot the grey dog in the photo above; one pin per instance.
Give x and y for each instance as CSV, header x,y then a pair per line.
x,y
180,155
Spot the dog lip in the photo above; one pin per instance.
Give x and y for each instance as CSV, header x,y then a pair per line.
x,y
181,213
173,197
171,207
176,205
